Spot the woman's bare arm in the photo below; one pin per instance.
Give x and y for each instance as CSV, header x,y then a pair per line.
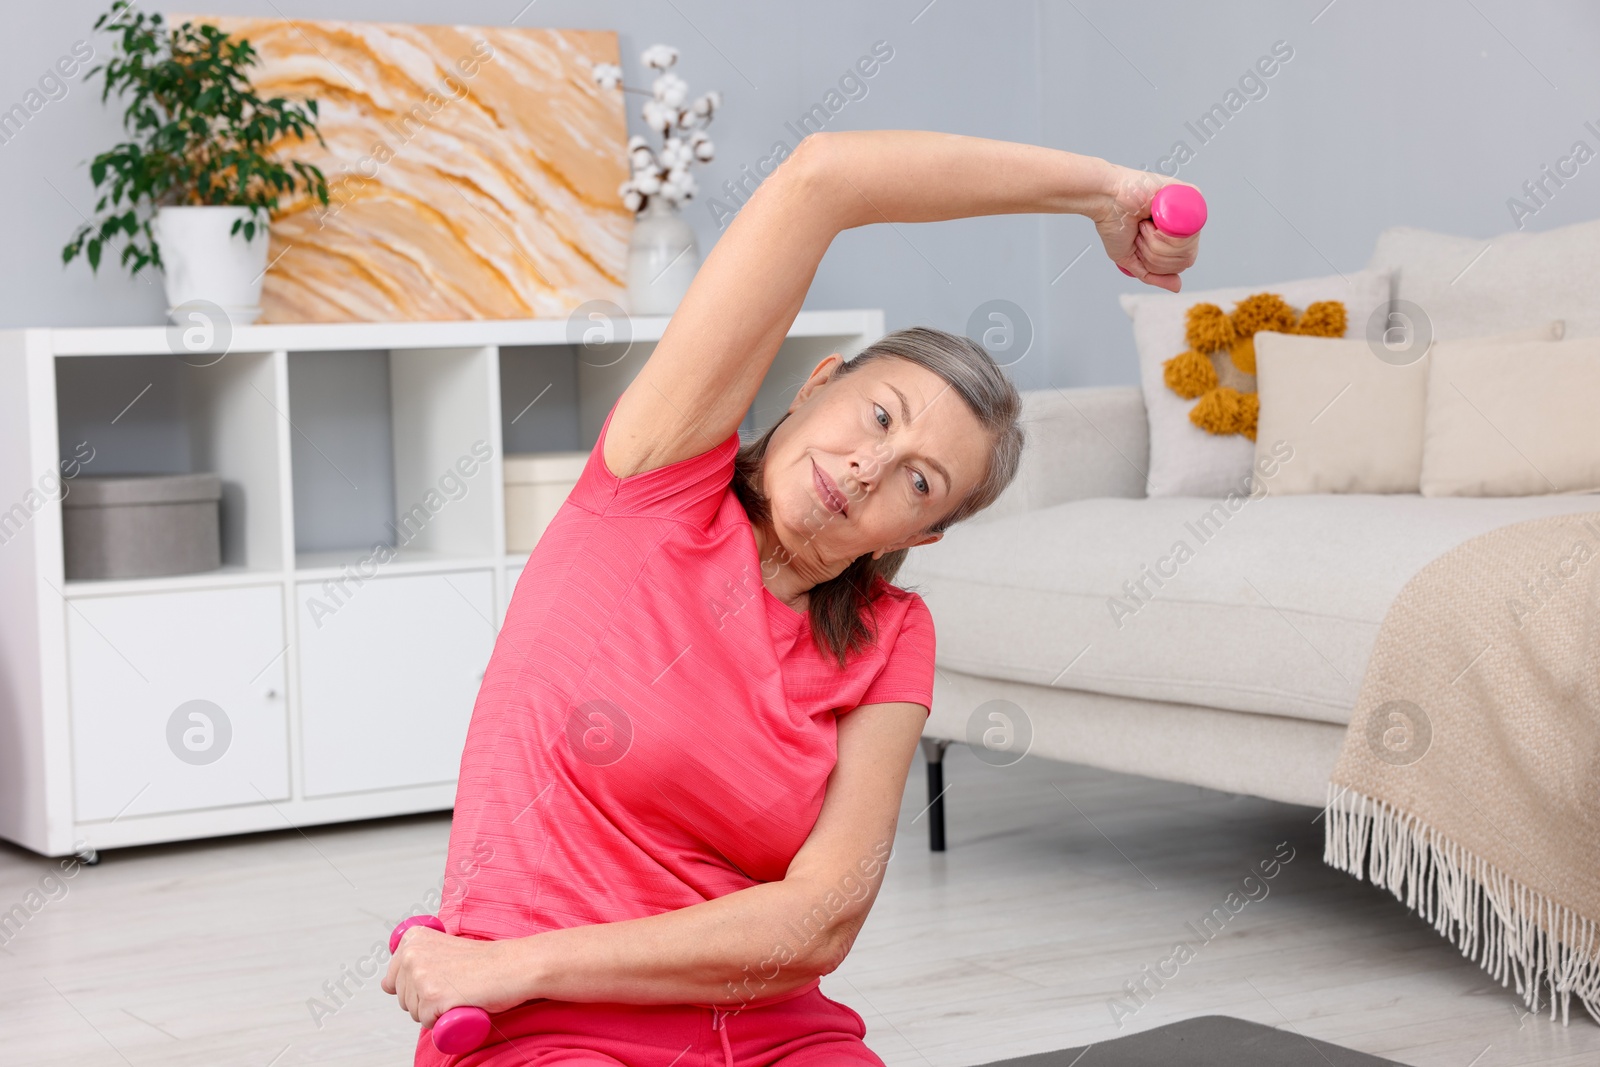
x,y
922,176
696,386
749,945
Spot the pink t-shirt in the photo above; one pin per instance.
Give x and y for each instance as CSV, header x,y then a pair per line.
x,y
655,727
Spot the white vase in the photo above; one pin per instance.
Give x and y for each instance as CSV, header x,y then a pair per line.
x,y
204,261
663,257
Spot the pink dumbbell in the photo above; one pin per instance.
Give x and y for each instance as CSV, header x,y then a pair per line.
x,y
1177,211
459,1029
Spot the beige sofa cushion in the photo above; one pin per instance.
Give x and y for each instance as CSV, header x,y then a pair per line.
x,y
1512,420
1473,287
1352,421
1274,609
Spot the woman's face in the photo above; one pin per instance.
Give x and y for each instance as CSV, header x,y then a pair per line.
x,y
867,461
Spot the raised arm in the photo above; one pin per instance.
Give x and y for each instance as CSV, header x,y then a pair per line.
x,y
696,386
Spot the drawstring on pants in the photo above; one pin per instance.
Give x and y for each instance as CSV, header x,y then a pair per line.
x,y
719,1023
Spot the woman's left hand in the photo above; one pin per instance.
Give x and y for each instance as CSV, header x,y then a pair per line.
x,y
432,972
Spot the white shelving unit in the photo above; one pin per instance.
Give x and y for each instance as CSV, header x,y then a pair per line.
x,y
333,685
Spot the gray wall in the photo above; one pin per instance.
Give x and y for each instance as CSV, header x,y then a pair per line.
x,y
1427,114
1388,114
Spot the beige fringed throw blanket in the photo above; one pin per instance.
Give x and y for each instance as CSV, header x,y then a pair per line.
x,y
1469,781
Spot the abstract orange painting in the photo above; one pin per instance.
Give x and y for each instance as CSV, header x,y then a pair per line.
x,y
472,171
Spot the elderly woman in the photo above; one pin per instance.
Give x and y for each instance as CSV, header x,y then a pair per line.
x,y
684,770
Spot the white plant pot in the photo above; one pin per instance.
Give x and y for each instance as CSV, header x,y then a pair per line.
x,y
204,261
663,257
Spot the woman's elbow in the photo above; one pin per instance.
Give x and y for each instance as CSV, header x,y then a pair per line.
x,y
808,175
834,945
808,160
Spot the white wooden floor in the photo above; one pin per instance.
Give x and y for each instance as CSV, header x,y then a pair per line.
x,y
1060,883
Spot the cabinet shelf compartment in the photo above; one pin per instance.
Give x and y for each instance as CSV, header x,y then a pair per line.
x,y
146,414
394,448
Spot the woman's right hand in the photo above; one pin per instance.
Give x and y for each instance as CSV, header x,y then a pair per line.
x,y
1130,235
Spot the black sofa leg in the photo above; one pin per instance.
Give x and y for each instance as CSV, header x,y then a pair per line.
x,y
933,751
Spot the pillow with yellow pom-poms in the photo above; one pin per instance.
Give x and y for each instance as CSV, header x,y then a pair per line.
x,y
1218,369
1202,408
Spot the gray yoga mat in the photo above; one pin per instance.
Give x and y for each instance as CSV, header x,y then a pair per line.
x,y
1206,1041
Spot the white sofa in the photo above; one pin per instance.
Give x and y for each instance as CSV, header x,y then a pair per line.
x,y
1240,672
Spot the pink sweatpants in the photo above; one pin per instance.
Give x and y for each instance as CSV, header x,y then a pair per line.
x,y
804,1030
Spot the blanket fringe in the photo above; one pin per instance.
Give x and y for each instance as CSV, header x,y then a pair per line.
x,y
1510,930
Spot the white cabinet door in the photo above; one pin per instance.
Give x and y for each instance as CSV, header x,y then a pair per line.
x,y
177,701
389,671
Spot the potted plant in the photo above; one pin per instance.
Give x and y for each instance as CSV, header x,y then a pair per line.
x,y
663,254
192,195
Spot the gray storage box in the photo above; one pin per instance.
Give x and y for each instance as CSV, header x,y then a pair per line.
x,y
142,525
